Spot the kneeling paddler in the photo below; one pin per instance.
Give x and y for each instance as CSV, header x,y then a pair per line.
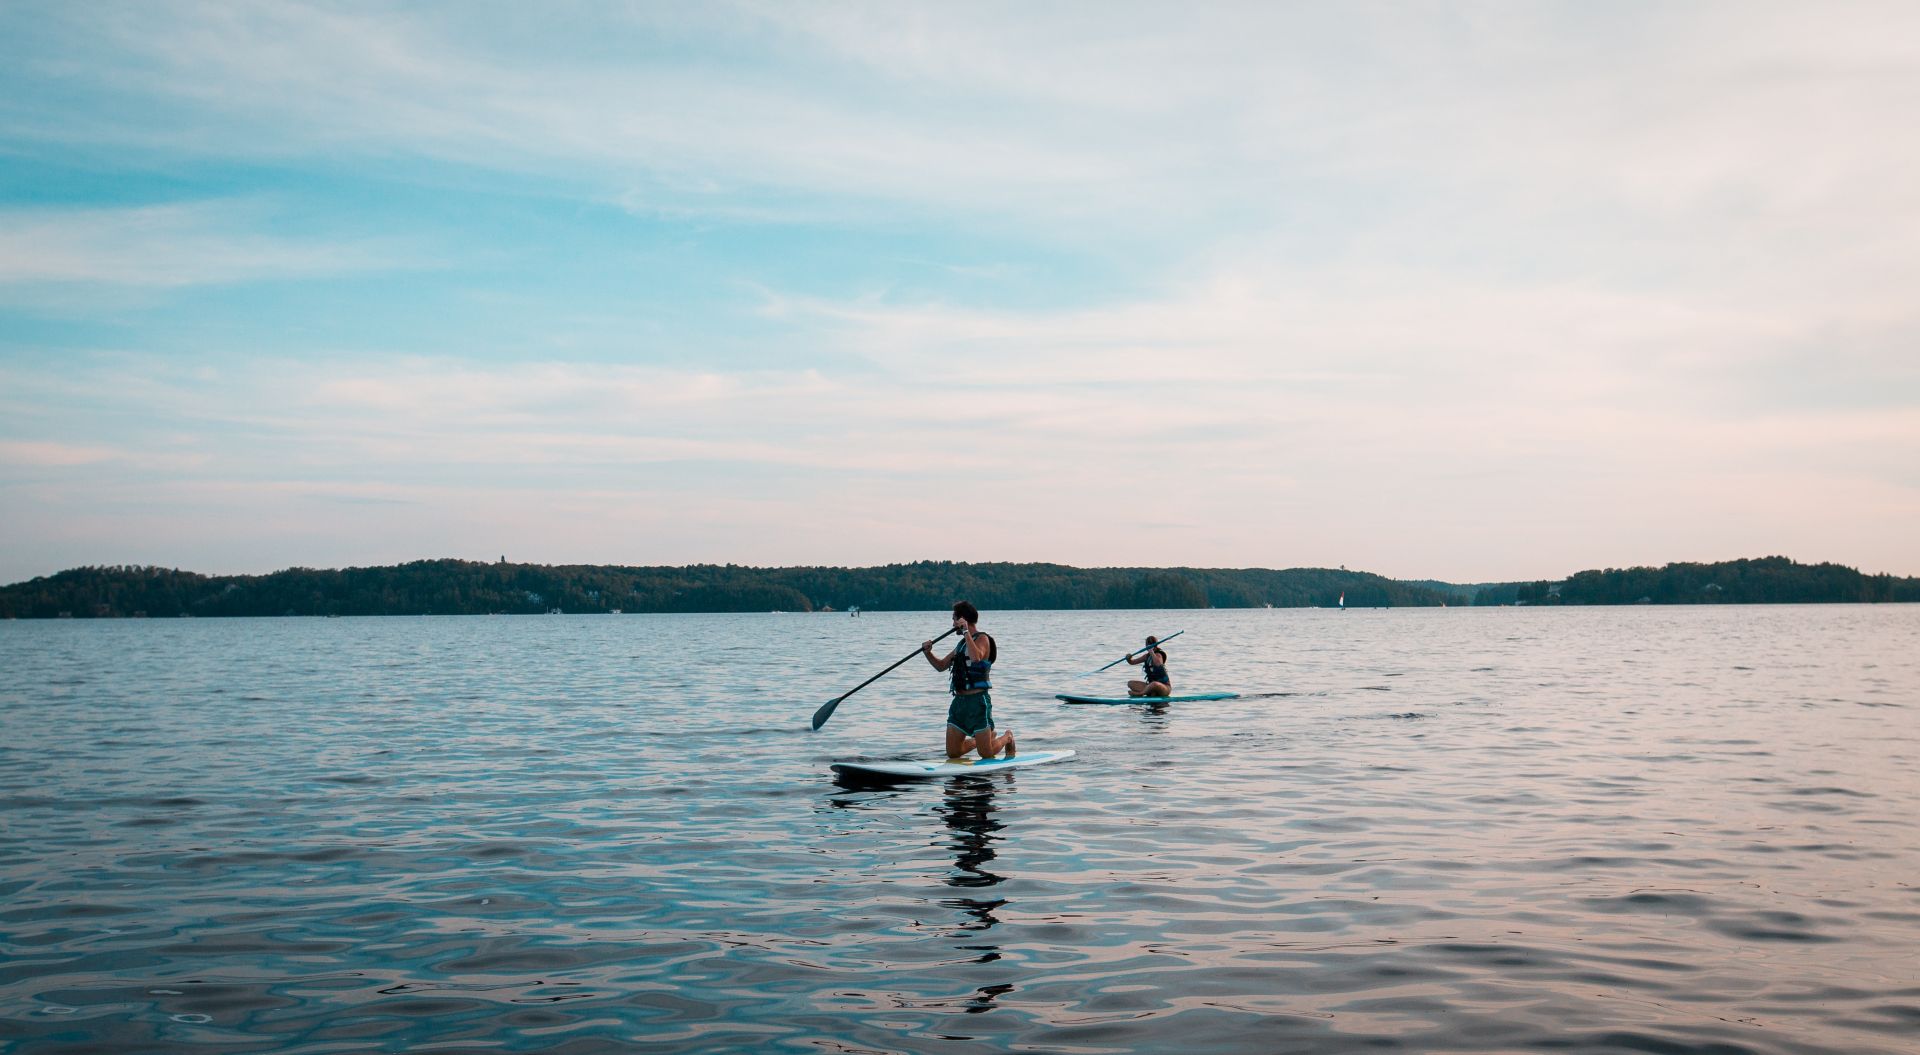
x,y
970,715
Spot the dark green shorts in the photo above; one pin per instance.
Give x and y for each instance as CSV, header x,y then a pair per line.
x,y
971,714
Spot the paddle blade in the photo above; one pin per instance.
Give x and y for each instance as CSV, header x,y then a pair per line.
x,y
826,709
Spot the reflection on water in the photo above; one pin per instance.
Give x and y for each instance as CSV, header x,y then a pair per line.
x,y
1685,831
968,813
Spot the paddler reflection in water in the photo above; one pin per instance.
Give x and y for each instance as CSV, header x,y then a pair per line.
x,y
1154,680
970,716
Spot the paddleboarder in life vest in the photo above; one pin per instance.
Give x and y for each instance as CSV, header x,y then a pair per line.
x,y
1155,682
970,716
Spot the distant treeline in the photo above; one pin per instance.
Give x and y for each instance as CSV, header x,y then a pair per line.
x,y
470,587
1768,580
452,587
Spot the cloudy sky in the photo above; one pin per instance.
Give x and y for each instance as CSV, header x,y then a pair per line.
x,y
1469,291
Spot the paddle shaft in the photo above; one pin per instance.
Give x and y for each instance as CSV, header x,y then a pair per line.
x,y
826,709
1130,655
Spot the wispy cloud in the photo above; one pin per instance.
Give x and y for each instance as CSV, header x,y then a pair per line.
x,y
1055,111
42,453
169,246
55,455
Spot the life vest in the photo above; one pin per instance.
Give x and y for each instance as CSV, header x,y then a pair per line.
x,y
970,674
1156,667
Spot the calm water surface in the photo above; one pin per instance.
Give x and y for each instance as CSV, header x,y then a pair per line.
x,y
1657,830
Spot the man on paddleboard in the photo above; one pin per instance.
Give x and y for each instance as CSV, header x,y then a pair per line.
x,y
1156,681
970,715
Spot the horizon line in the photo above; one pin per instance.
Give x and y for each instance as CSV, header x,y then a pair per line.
x,y
502,561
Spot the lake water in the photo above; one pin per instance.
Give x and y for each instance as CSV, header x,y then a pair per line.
x,y
1469,830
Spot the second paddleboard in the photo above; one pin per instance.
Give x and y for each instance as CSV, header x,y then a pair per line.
x,y
1192,697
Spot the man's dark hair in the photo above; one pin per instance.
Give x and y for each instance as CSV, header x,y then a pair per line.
x,y
966,611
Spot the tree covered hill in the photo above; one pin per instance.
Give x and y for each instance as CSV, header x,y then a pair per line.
x,y
472,587
1766,580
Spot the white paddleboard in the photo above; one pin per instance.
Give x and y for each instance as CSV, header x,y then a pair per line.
x,y
947,767
1192,697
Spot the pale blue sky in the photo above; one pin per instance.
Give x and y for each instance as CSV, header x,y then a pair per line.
x,y
1471,291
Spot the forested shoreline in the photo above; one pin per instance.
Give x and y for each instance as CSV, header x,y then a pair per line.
x,y
453,587
1768,580
472,587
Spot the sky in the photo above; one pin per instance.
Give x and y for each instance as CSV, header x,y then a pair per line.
x,y
1478,292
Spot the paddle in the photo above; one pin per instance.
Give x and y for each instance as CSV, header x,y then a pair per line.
x,y
826,709
1130,655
